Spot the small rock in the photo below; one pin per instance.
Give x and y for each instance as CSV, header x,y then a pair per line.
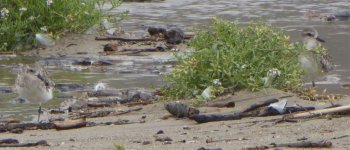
x,y
168,142
146,142
17,131
181,110
202,148
110,47
186,128
174,36
156,31
163,139
72,140
160,132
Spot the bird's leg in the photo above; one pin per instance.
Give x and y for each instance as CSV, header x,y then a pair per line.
x,y
39,112
313,84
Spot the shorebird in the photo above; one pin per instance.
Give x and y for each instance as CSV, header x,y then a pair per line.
x,y
314,62
34,85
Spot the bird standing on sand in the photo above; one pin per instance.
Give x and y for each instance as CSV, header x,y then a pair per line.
x,y
313,62
34,85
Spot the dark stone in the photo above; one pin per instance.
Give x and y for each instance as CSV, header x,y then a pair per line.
x,y
160,132
174,36
156,31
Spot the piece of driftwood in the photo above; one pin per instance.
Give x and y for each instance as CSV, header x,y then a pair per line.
x,y
221,105
124,39
56,111
319,112
211,140
10,120
39,143
260,104
103,93
218,117
26,126
96,105
138,103
303,144
70,124
9,141
103,113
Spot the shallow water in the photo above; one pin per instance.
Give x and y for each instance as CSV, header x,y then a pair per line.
x,y
287,15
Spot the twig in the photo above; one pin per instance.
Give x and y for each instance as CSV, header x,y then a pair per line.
x,y
260,104
123,39
39,143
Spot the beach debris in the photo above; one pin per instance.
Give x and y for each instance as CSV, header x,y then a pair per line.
x,y
223,104
212,140
100,86
203,148
174,36
278,107
163,138
302,144
260,104
319,112
45,39
110,47
15,143
160,132
181,110
70,124
9,141
102,113
156,31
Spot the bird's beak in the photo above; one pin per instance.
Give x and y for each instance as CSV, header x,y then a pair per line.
x,y
320,40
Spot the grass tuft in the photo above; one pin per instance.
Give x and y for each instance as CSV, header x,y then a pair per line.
x,y
250,57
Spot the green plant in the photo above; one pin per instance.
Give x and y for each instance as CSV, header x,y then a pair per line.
x,y
240,57
20,20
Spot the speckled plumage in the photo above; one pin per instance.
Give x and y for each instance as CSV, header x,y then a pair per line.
x,y
34,85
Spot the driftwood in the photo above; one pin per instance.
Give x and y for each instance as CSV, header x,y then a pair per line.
x,y
303,144
9,141
218,117
26,126
211,140
103,113
260,104
93,104
124,39
39,143
138,103
319,112
70,124
220,105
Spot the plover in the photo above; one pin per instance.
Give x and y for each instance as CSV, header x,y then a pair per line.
x,y
313,62
34,85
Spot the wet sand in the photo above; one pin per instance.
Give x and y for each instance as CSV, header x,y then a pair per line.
x,y
187,134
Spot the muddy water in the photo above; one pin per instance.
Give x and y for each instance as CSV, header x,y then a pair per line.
x,y
287,15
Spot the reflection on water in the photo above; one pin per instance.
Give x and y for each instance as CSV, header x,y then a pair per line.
x,y
287,15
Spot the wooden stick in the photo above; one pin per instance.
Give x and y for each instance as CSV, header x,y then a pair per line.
x,y
220,105
260,104
303,144
39,143
319,112
123,39
70,124
218,117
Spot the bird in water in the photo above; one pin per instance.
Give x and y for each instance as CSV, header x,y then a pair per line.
x,y
314,60
34,85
